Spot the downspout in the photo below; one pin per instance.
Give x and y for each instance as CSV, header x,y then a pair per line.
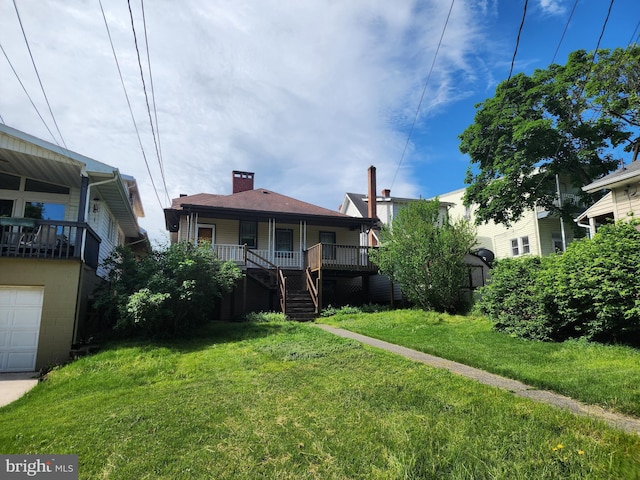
x,y
86,212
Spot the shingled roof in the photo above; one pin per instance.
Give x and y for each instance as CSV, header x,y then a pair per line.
x,y
258,204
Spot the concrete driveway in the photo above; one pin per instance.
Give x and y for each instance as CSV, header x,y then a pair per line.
x,y
14,385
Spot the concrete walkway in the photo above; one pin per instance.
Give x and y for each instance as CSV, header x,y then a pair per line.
x,y
14,385
629,424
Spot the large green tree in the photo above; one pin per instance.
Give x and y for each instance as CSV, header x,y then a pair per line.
x,y
423,250
565,120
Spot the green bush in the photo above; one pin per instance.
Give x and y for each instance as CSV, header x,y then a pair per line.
x,y
591,291
516,298
597,286
167,293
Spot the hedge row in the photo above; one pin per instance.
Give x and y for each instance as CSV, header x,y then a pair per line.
x,y
590,291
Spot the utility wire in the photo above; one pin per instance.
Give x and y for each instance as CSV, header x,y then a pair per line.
x,y
426,83
575,4
633,35
38,75
153,99
146,97
129,104
29,97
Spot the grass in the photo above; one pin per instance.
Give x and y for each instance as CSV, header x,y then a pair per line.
x,y
289,401
606,375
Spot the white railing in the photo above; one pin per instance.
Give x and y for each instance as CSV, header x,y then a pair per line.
x,y
234,253
292,260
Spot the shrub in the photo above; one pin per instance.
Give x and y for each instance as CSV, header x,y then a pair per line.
x,y
597,285
516,298
167,293
591,291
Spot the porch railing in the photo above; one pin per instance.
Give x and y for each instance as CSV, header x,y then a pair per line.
x,y
30,238
339,257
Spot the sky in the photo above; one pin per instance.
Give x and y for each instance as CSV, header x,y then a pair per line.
x,y
307,94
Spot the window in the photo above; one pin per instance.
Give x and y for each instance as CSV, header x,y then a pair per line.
x,y
284,241
249,234
6,208
520,246
328,239
44,187
9,182
44,211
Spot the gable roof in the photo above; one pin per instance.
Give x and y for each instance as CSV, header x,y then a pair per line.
x,y
257,204
361,201
627,174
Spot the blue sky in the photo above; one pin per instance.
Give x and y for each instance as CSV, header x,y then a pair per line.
x,y
305,94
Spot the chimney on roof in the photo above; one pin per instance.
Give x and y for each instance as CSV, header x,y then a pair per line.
x,y
183,195
372,211
386,193
242,181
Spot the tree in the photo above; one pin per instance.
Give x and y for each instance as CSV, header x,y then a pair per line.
x,y
564,120
424,252
168,293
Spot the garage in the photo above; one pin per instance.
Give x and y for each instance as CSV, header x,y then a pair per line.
x,y
20,314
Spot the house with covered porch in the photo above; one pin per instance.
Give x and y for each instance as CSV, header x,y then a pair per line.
x,y
61,215
297,257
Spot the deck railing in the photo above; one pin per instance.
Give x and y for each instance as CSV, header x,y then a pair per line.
x,y
337,257
30,238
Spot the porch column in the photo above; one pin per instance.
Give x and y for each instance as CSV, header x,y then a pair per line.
x,y
592,227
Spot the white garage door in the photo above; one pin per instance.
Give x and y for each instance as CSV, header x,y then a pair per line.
x,y
20,312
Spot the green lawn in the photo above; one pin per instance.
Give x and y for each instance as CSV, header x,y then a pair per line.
x,y
598,374
289,401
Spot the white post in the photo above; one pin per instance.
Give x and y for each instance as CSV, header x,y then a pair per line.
x,y
564,240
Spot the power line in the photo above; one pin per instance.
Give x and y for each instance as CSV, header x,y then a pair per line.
x,y
575,4
631,40
146,97
426,83
153,99
38,74
144,156
29,97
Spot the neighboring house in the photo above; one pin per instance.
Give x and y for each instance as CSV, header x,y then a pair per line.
x,y
621,202
385,208
297,257
61,214
538,232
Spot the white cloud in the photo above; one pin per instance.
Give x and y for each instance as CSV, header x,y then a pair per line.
x,y
305,94
552,7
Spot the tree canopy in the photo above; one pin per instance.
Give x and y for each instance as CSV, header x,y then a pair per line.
x,y
424,252
565,120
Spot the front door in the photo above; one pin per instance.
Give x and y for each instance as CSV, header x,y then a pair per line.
x,y
206,234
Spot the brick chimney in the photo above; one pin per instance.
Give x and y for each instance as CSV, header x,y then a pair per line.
x,y
242,181
386,193
372,204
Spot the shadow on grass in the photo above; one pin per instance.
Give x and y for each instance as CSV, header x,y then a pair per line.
x,y
216,332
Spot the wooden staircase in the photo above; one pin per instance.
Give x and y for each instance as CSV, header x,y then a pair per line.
x,y
298,304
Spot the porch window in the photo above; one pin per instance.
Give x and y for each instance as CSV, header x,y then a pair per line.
x,y
6,208
328,240
44,187
284,242
9,182
249,234
44,211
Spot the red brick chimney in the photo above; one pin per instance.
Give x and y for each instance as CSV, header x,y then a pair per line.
x,y
242,181
386,193
372,204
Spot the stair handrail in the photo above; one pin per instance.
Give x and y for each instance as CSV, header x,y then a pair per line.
x,y
270,271
282,283
311,288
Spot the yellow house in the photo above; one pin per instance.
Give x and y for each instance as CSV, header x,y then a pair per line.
x,y
61,214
